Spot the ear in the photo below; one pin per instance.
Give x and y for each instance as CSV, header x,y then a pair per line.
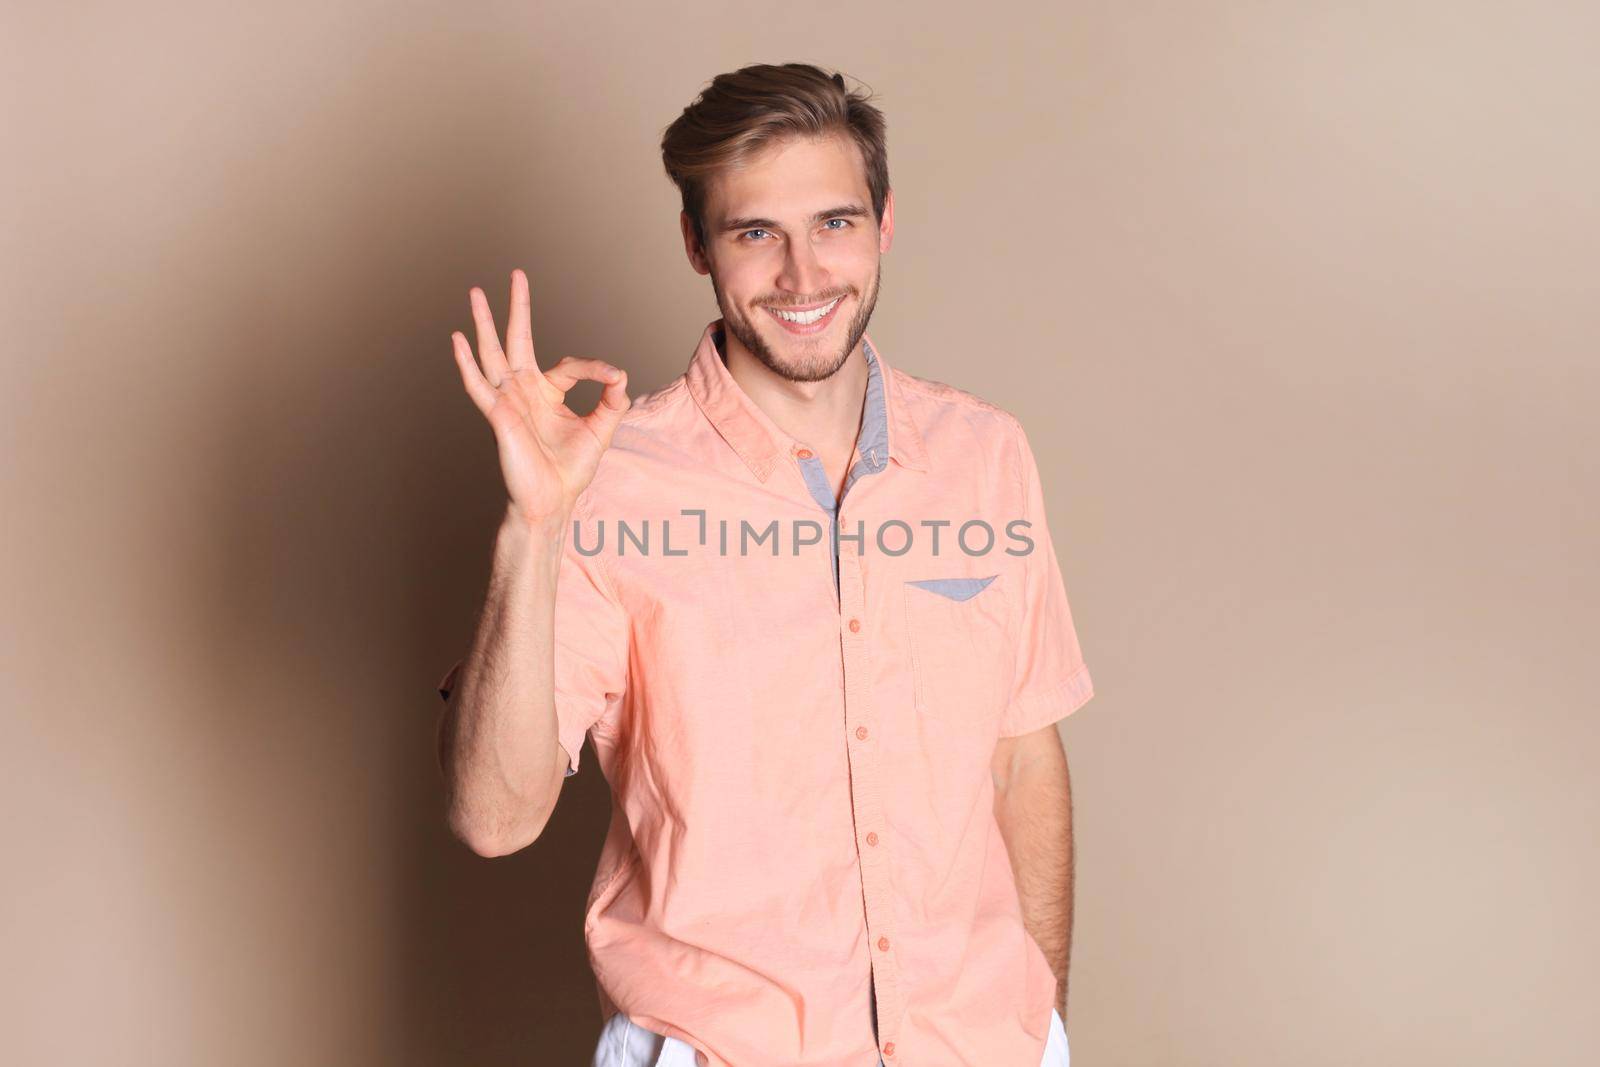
x,y
691,246
886,226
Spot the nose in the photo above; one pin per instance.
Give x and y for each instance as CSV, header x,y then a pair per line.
x,y
803,272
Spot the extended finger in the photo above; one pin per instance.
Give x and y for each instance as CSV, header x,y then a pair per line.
x,y
478,388
494,360
519,329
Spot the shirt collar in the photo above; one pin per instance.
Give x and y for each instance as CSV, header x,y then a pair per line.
x,y
887,428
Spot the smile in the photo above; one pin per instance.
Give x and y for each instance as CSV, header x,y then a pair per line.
x,y
806,321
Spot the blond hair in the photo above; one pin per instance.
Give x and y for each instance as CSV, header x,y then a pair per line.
x,y
740,114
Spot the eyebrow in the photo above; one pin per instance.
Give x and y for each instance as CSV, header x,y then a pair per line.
x,y
848,210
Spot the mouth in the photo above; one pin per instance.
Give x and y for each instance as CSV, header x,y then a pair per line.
x,y
803,321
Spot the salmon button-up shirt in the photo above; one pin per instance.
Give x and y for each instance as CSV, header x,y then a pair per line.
x,y
795,700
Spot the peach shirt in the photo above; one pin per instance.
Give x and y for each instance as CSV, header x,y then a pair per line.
x,y
798,744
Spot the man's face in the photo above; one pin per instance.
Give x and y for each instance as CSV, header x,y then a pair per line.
x,y
792,230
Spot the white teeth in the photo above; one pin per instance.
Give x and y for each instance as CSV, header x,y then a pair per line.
x,y
805,317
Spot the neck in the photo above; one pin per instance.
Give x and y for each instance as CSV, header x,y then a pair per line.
x,y
826,414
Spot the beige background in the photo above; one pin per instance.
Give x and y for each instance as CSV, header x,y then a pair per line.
x,y
1298,302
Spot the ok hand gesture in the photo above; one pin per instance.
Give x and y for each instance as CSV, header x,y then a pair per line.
x,y
548,453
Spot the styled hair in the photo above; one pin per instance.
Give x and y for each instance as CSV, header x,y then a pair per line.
x,y
740,114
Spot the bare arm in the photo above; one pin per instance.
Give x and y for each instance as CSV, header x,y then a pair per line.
x,y
498,747
497,736
1033,807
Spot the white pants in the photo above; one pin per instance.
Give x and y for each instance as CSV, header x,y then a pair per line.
x,y
624,1043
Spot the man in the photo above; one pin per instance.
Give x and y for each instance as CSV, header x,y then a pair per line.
x,y
807,607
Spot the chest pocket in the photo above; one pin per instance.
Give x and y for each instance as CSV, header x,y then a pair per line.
x,y
961,660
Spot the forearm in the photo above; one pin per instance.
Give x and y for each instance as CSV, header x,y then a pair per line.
x,y
1034,813
498,743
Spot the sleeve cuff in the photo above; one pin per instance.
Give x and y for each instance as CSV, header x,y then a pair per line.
x,y
571,743
572,760
1038,708
448,682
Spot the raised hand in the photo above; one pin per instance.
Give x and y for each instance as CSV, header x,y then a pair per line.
x,y
548,452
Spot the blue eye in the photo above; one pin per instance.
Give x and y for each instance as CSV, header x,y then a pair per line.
x,y
745,236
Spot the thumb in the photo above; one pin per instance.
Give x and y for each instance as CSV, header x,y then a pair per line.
x,y
607,414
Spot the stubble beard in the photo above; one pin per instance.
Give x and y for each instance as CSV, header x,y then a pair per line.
x,y
816,367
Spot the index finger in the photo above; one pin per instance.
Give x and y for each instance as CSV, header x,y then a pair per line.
x,y
574,369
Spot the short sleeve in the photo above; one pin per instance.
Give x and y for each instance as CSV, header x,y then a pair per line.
x,y
591,650
591,647
1051,680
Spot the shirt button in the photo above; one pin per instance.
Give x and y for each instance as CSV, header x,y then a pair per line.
x,y
883,943
888,1048
872,838
855,626
804,453
861,733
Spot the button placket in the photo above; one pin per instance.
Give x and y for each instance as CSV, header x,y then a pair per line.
x,y
867,802
816,482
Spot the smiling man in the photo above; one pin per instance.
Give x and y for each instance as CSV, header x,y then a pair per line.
x,y
807,607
